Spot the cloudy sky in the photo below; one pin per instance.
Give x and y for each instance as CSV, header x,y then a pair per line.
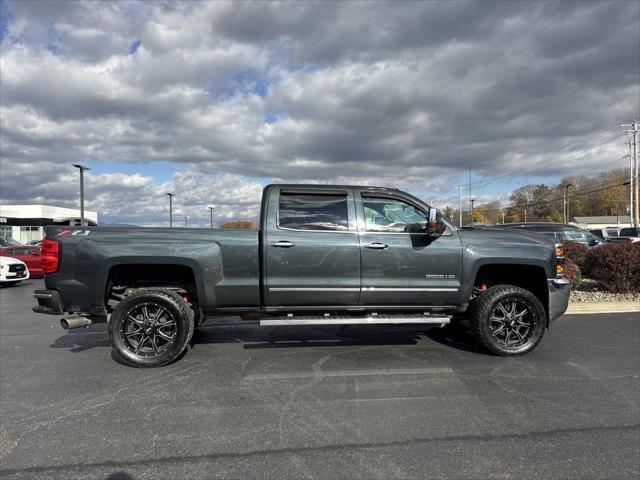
x,y
213,100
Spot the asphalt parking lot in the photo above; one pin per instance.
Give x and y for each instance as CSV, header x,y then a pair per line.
x,y
350,402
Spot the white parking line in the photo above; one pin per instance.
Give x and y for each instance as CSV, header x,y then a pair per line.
x,y
350,373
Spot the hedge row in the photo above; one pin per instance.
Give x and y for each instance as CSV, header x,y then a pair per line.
x,y
615,266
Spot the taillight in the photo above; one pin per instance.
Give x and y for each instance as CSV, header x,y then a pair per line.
x,y
49,255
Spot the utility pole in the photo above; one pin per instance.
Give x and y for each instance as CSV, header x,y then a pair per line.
x,y
82,170
565,209
460,205
210,216
186,222
525,214
170,195
503,217
472,200
634,128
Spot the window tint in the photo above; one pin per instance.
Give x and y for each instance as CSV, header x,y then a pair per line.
x,y
628,232
313,212
576,235
612,233
390,215
548,229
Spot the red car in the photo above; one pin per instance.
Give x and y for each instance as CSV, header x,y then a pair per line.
x,y
28,254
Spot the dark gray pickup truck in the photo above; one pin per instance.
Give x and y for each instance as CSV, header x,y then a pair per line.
x,y
323,255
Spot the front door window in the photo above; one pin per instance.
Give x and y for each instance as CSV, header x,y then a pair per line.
x,y
391,215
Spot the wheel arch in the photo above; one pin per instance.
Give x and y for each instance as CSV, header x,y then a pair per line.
x,y
142,273
530,276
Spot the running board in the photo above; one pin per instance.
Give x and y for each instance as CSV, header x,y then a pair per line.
x,y
353,320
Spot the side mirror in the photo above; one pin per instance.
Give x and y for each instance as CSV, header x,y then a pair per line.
x,y
435,225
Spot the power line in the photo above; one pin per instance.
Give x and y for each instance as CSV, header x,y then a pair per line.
x,y
565,155
561,159
575,194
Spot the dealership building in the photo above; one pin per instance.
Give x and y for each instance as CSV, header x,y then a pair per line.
x,y
25,223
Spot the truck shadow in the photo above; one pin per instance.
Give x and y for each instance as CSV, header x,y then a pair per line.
x,y
83,339
256,337
253,336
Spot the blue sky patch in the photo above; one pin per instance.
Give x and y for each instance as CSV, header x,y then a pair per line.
x,y
159,170
5,19
133,48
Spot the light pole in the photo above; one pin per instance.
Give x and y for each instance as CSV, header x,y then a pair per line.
x,y
460,205
170,195
566,202
82,170
186,222
503,217
210,216
472,200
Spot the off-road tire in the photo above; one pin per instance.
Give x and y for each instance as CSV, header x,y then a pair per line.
x,y
486,328
177,310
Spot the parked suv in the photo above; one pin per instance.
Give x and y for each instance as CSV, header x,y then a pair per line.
x,y
559,231
605,234
628,235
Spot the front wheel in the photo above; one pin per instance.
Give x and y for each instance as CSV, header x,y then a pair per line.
x,y
508,320
151,328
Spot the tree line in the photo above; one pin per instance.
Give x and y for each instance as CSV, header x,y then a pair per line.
x,y
601,194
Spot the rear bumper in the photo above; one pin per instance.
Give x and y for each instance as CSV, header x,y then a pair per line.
x,y
559,292
48,302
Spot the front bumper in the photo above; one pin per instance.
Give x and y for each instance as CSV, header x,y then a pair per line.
x,y
15,276
48,302
559,292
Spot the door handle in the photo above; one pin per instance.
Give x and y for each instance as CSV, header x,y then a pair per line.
x,y
377,246
283,244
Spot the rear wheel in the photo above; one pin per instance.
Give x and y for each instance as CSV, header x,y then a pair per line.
x,y
508,320
151,328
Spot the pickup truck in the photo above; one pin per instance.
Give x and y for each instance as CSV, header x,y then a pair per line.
x,y
323,255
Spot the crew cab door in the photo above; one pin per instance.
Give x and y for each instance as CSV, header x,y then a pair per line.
x,y
401,266
311,253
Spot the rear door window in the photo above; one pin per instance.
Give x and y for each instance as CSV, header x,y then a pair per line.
x,y
310,211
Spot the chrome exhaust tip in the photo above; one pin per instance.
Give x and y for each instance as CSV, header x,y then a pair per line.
x,y
69,323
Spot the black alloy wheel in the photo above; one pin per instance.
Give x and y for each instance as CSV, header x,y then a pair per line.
x,y
508,320
148,329
512,323
151,328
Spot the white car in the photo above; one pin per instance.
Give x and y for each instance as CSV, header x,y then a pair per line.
x,y
12,271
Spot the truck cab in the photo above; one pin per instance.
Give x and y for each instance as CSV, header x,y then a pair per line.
x,y
355,248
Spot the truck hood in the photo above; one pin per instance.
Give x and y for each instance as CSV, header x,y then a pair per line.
x,y
504,236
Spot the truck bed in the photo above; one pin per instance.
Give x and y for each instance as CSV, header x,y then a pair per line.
x,y
224,263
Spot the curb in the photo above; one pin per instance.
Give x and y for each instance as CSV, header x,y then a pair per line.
x,y
603,307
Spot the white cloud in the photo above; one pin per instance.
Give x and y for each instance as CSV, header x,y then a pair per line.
x,y
404,94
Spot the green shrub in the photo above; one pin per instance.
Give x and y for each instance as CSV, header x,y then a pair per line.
x,y
615,266
572,273
576,252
